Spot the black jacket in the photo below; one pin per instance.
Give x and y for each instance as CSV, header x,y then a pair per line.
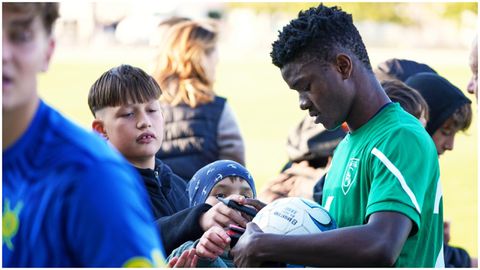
x,y
456,257
169,202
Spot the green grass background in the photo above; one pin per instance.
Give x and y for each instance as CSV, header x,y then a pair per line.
x,y
266,111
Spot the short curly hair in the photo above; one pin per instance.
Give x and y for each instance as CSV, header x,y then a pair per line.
x,y
318,33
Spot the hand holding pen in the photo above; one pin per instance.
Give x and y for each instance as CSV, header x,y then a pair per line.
x,y
242,208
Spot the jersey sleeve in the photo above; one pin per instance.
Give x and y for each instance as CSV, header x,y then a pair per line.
x,y
402,170
109,223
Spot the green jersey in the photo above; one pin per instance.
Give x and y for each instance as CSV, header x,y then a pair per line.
x,y
390,164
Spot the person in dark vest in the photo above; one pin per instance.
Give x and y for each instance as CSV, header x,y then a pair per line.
x,y
200,127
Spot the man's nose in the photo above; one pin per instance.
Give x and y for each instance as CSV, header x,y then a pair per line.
x,y
471,86
304,102
6,51
449,144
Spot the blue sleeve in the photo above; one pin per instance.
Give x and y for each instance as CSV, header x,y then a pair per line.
x,y
109,223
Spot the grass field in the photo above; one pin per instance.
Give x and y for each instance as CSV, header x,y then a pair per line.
x,y
266,110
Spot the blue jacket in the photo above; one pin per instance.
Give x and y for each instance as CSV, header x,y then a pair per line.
x,y
69,200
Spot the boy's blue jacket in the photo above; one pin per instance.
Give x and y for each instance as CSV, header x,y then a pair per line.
x,y
169,202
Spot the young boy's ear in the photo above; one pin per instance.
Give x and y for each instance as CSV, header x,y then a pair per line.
x,y
48,53
99,127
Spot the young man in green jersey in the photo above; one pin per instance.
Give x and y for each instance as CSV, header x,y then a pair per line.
x,y
382,187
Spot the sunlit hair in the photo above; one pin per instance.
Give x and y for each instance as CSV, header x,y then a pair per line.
x,y
122,85
48,12
410,99
462,117
179,70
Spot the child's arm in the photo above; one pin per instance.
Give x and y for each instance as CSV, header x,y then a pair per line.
x,y
213,243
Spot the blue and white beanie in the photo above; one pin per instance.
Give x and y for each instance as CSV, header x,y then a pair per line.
x,y
207,177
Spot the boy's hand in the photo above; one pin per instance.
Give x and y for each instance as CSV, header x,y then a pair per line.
x,y
188,259
212,243
221,215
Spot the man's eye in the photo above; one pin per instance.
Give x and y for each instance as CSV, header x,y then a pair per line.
x,y
21,36
447,132
306,89
221,195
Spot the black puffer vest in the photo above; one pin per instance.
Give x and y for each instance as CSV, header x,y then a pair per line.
x,y
190,137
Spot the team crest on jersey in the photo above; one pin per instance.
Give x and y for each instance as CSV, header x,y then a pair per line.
x,y
10,222
350,175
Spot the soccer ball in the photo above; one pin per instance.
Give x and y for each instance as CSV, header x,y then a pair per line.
x,y
294,215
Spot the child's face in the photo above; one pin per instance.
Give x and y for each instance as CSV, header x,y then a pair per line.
x,y
227,187
26,51
444,137
136,130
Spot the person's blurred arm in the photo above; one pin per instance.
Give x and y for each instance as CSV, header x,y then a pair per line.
x,y
229,138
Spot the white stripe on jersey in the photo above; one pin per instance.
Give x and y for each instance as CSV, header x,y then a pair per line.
x,y
438,196
440,263
397,174
328,203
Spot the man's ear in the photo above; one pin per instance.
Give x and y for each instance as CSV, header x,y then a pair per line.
x,y
99,127
48,54
344,65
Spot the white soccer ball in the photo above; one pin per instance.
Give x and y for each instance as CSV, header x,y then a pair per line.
x,y
294,215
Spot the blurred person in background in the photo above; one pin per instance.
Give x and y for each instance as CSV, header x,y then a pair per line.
x,y
472,86
447,101
310,149
163,27
69,200
450,112
449,109
200,127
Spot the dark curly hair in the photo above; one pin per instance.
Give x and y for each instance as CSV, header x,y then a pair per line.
x,y
319,33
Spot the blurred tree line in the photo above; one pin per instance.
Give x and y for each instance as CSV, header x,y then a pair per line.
x,y
400,13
